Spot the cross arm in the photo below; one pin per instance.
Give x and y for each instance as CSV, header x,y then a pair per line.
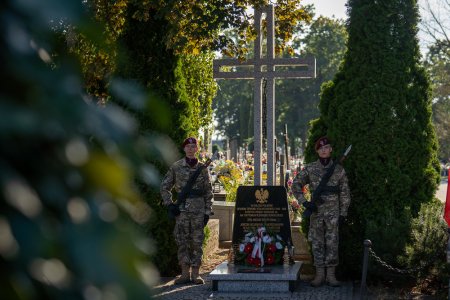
x,y
253,68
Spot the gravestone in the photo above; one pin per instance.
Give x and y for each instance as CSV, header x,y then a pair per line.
x,y
234,153
258,206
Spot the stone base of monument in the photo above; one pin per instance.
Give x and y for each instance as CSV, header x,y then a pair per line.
x,y
269,279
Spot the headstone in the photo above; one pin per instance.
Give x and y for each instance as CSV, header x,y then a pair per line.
x,y
224,212
258,206
226,149
301,246
234,149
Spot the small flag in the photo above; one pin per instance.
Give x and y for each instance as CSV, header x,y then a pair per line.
x,y
447,202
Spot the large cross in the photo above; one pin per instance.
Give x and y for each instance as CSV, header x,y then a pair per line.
x,y
265,68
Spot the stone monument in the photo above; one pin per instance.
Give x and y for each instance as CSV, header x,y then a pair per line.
x,y
261,234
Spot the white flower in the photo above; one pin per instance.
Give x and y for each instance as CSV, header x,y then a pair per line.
x,y
278,245
249,234
267,239
252,240
241,248
279,238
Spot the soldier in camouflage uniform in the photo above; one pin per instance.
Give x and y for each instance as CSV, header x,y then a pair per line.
x,y
324,223
194,215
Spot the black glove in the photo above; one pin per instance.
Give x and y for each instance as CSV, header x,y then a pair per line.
x,y
173,210
309,205
310,208
205,219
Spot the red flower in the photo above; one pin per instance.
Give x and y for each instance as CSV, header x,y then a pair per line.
x,y
269,259
250,260
248,248
271,248
257,262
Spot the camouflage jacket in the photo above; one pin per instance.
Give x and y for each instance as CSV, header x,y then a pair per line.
x,y
312,174
177,177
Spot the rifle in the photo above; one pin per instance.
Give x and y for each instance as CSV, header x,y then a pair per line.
x,y
179,205
322,188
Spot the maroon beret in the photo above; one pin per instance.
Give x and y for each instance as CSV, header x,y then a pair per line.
x,y
190,140
321,142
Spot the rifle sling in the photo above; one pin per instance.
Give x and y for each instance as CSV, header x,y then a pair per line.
x,y
187,189
194,193
331,190
322,187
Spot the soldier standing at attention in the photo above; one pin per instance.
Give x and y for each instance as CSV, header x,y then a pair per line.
x,y
193,214
324,221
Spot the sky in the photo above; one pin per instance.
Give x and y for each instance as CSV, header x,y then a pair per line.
x,y
329,8
336,9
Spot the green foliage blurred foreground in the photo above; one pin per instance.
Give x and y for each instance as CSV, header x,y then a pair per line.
x,y
70,215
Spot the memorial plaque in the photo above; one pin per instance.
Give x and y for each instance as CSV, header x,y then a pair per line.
x,y
258,206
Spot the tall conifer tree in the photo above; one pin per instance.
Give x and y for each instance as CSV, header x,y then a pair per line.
x,y
380,102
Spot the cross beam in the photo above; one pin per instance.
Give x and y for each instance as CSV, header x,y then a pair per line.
x,y
269,68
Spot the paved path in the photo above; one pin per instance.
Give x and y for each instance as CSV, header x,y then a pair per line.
x,y
167,290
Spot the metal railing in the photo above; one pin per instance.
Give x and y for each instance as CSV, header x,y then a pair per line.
x,y
410,271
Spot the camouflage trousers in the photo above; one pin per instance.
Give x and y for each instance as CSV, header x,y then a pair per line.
x,y
324,237
189,237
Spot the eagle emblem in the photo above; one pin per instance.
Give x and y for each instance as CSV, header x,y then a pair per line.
x,y
261,195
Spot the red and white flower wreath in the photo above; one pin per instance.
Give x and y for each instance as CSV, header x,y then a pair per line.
x,y
260,248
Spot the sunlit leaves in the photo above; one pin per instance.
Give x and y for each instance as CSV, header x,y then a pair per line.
x,y
200,85
199,25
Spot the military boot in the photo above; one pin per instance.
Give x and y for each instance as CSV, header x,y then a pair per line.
x,y
319,278
331,278
195,275
185,276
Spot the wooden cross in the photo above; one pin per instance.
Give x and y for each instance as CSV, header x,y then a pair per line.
x,y
269,68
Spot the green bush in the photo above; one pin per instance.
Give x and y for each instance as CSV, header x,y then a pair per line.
x,y
207,233
426,251
380,103
184,84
